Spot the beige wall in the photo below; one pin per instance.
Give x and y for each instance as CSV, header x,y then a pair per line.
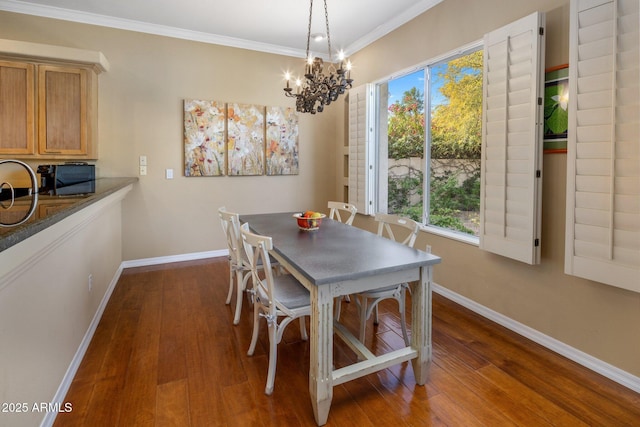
x,y
597,319
140,113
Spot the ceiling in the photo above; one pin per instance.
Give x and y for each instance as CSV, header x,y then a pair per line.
x,y
274,26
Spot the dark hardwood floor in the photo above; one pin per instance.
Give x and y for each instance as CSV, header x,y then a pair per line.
x,y
166,354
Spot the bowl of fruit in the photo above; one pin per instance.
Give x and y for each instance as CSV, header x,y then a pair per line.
x,y
309,220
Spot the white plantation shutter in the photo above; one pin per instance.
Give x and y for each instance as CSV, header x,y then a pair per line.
x,y
360,151
510,208
603,153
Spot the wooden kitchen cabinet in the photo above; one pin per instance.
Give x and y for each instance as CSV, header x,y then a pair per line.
x,y
17,108
48,110
66,111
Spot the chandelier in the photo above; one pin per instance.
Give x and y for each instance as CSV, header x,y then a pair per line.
x,y
319,89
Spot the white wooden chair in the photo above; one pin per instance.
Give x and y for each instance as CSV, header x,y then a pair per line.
x,y
368,301
279,299
238,270
347,209
239,266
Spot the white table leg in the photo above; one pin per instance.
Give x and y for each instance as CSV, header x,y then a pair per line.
x,y
321,349
421,324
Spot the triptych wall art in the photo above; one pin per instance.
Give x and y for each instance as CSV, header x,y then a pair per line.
x,y
239,139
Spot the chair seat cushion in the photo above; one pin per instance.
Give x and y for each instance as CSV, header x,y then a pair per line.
x,y
290,292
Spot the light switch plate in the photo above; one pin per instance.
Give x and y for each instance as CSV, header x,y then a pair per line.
x,y
169,173
143,160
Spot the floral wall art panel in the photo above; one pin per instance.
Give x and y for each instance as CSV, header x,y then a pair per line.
x,y
245,139
282,141
204,147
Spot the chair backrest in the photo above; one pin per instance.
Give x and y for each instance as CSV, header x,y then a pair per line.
x,y
231,226
347,208
256,248
385,221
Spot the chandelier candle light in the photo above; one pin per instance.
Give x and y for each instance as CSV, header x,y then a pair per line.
x,y
319,89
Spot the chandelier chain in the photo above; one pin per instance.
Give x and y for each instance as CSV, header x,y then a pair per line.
x,y
309,28
326,18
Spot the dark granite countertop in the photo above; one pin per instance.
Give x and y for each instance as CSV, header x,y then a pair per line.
x,y
51,209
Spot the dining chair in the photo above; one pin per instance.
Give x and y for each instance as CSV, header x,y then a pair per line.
x,y
238,270
347,209
368,301
279,299
239,266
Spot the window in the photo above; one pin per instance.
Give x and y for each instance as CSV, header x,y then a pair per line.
x,y
389,173
429,164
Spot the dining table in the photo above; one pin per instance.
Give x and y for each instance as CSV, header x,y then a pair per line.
x,y
337,260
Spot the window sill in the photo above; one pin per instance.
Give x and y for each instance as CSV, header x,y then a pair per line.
x,y
460,237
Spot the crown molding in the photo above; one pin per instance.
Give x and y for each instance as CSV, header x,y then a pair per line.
x,y
180,33
143,27
390,25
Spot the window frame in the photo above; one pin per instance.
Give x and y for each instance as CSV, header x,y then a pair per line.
x,y
425,66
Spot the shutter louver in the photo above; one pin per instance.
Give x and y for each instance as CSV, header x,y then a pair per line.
x,y
359,140
603,156
511,140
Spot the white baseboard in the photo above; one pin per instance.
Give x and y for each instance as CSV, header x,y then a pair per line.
x,y
61,393
174,258
615,374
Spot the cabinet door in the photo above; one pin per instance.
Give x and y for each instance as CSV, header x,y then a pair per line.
x,y
62,110
17,100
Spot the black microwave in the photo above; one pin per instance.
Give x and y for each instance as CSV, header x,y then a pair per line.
x,y
80,176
